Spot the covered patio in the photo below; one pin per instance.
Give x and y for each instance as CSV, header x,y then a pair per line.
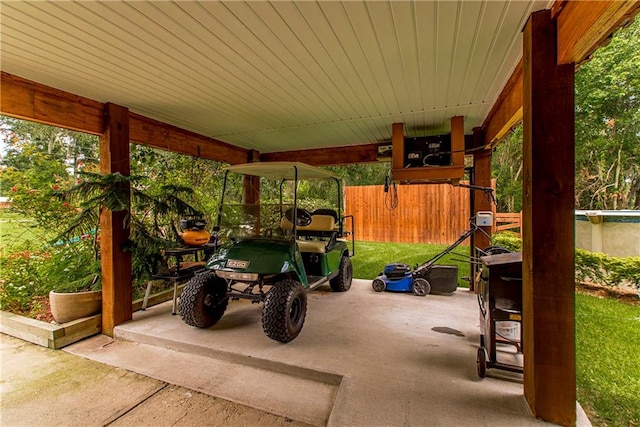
x,y
329,83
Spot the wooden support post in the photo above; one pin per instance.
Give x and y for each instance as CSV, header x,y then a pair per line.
x,y
457,141
548,226
251,184
117,288
481,201
397,141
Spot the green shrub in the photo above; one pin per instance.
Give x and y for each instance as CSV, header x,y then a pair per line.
x,y
21,280
72,267
607,270
507,240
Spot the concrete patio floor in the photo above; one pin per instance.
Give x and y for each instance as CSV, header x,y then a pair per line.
x,y
362,359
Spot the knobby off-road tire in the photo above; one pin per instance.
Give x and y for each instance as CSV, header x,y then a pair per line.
x,y
342,282
203,300
284,311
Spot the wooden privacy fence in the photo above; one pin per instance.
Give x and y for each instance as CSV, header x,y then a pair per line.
x,y
508,221
426,213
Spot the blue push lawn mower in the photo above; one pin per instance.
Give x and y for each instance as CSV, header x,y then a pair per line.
x,y
399,277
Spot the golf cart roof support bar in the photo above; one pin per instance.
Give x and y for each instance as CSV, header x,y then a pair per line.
x,y
339,203
295,203
224,190
281,198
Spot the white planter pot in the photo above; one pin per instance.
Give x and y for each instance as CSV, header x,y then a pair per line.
x,y
66,307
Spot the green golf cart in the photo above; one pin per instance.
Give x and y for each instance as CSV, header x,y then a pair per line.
x,y
274,251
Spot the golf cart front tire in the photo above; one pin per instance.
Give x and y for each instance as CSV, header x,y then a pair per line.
x,y
284,311
203,300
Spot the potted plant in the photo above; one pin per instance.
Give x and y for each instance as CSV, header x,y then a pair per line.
x,y
75,278
151,218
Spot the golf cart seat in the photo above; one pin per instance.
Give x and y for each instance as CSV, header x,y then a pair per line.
x,y
319,235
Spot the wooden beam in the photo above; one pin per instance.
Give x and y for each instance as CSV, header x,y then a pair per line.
x,y
366,153
584,25
28,100
507,110
160,135
557,7
457,141
397,142
117,290
548,226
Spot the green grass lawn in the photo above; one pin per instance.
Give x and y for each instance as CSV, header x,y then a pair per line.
x,y
371,257
608,360
18,232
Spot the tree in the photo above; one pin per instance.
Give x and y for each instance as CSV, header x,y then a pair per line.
x,y
607,122
608,125
506,167
39,160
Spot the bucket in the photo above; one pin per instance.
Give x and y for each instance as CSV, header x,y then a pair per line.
x,y
508,330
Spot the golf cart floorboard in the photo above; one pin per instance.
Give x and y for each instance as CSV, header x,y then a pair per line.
x,y
315,281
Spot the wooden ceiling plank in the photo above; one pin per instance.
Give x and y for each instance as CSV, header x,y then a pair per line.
x,y
584,26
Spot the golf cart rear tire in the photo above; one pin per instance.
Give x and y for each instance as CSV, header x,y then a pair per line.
x,y
203,300
378,285
420,287
284,311
342,282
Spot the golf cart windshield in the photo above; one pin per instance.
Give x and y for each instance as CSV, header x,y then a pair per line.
x,y
260,220
280,186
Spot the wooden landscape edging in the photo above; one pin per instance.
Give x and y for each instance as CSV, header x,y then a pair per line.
x,y
49,335
54,336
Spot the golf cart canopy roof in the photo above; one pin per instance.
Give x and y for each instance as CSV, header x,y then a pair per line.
x,y
281,170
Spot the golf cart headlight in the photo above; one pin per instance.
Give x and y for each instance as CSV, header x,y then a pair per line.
x,y
233,275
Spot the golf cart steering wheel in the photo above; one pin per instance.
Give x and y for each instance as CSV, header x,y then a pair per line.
x,y
303,217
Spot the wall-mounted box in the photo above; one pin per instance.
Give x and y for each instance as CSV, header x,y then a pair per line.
x,y
435,158
484,218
